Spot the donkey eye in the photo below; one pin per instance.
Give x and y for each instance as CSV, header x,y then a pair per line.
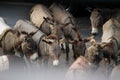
x,y
51,22
29,47
25,38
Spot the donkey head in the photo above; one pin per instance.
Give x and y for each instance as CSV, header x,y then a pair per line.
x,y
28,46
96,19
54,49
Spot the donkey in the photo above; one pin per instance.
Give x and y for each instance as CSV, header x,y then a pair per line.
x,y
48,25
71,33
17,42
99,16
48,46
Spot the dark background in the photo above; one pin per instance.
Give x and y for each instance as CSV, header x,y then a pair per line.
x,y
12,10
77,7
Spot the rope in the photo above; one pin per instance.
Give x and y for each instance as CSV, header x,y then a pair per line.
x,y
4,33
14,45
2,37
38,45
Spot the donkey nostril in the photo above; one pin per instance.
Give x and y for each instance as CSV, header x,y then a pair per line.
x,y
94,34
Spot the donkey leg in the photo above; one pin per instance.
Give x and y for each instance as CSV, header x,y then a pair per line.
x,y
67,56
67,53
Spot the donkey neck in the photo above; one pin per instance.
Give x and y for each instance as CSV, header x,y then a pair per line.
x,y
106,16
113,13
45,28
112,44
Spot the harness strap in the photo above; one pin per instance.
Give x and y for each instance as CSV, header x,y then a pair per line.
x,y
40,39
70,22
34,32
3,36
14,46
4,33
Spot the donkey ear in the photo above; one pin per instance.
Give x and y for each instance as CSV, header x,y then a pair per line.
x,y
24,32
90,39
72,41
101,45
48,41
32,33
46,19
98,10
17,32
89,9
106,44
52,36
